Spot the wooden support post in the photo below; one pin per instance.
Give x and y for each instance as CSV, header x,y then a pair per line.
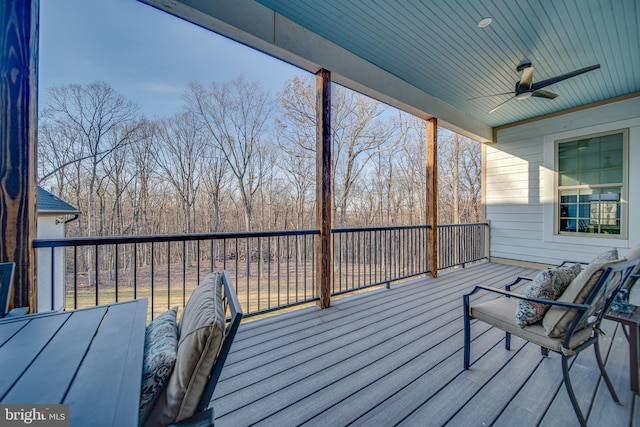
x,y
432,195
324,257
18,126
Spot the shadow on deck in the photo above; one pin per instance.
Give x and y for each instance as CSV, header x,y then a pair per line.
x,y
390,357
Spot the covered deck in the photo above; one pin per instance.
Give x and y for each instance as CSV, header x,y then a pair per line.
x,y
394,356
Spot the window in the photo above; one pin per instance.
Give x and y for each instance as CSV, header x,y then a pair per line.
x,y
591,185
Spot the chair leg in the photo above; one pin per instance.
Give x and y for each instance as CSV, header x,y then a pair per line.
x,y
544,351
572,396
626,334
507,341
605,376
467,332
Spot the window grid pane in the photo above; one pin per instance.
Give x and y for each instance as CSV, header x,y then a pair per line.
x,y
590,211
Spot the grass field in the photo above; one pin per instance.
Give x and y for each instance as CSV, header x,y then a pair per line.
x,y
263,289
173,288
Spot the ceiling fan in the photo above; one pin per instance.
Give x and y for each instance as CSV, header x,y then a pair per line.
x,y
525,88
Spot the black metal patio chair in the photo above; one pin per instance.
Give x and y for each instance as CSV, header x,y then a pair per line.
x,y
571,324
6,282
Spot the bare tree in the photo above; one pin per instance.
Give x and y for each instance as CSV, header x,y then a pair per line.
x,y
236,115
180,155
214,181
456,178
459,182
138,194
360,130
295,134
58,150
471,179
120,171
91,113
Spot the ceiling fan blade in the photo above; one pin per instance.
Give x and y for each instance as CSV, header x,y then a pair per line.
x,y
527,78
490,96
500,105
556,79
544,94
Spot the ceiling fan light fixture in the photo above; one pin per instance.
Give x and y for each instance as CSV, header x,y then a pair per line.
x,y
484,22
526,88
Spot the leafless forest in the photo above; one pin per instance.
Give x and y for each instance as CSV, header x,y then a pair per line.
x,y
239,158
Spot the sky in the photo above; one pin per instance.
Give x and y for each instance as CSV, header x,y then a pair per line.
x,y
145,54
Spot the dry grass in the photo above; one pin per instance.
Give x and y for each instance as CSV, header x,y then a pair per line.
x,y
172,287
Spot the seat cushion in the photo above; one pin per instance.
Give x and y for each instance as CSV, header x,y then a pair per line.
x,y
548,284
160,352
499,313
201,329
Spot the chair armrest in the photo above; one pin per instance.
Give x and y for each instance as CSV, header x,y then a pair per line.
x,y
518,280
563,263
581,307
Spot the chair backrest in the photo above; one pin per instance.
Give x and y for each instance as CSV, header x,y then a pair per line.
x,y
614,278
6,281
234,314
206,328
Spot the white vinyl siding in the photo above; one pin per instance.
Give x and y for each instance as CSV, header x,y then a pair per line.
x,y
520,191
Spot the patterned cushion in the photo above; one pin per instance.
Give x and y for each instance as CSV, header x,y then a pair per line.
x,y
548,284
610,255
160,351
201,330
557,320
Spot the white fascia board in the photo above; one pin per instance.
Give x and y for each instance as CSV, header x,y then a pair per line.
x,y
259,27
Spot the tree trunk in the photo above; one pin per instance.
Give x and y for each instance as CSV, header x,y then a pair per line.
x,y
456,179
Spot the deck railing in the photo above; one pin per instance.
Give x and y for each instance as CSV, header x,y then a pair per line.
x,y
460,244
365,257
270,269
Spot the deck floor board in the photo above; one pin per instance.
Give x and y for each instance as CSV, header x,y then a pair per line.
x,y
394,356
617,362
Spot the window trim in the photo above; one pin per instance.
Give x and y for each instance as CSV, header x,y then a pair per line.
x,y
624,189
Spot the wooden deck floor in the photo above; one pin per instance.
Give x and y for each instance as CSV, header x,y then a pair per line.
x,y
394,357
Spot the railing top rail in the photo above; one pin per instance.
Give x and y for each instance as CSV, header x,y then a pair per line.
x,y
162,238
107,240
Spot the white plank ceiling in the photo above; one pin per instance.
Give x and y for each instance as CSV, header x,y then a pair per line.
x,y
438,47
